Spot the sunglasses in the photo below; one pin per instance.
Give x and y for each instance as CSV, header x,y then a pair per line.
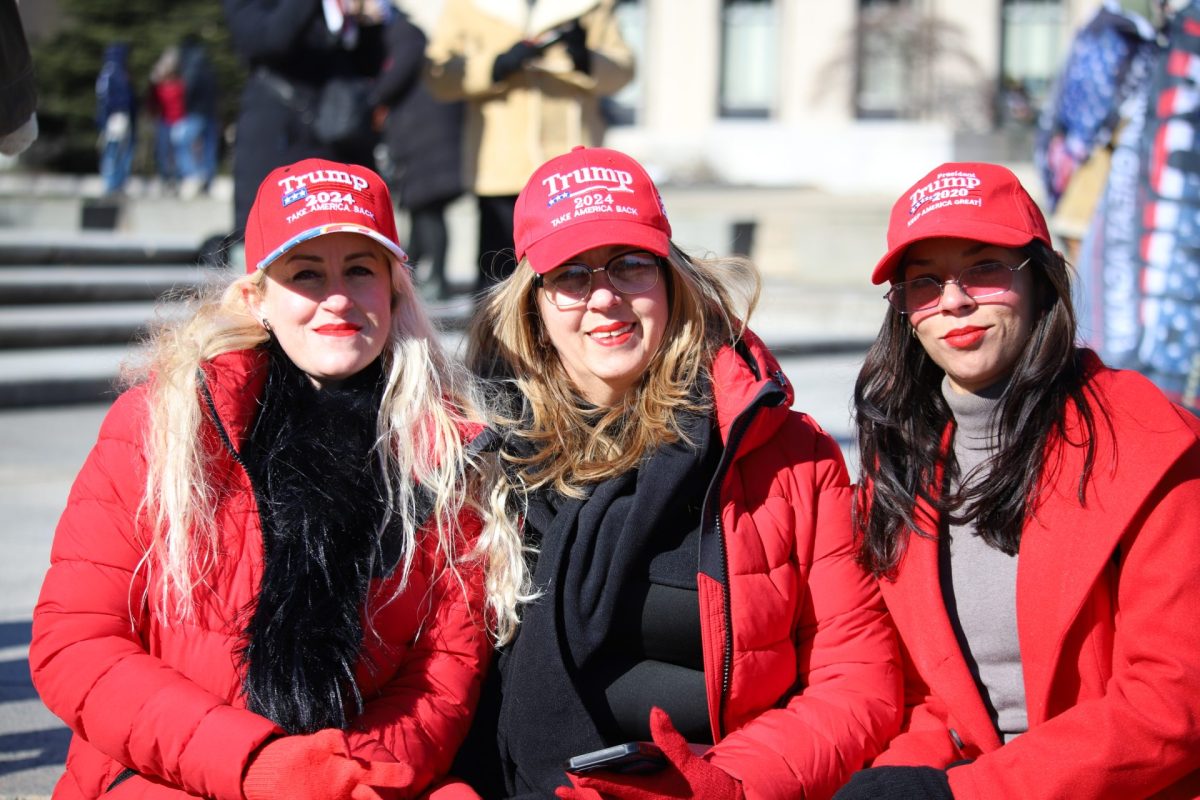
x,y
977,282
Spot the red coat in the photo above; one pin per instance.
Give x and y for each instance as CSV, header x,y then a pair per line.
x,y
1108,606
803,681
163,697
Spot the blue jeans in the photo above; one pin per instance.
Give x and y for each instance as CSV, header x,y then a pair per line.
x,y
116,160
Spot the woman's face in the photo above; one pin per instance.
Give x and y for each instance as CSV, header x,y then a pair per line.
x,y
975,341
606,341
329,303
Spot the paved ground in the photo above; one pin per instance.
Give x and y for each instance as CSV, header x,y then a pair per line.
x,y
41,452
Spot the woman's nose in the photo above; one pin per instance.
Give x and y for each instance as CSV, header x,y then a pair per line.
x,y
954,298
338,297
603,294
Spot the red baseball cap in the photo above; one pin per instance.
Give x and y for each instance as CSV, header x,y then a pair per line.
x,y
590,197
314,197
966,200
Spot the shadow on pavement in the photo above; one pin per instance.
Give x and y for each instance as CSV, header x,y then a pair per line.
x,y
15,633
22,750
15,683
33,749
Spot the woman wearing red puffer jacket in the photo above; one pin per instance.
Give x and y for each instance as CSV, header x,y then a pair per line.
x,y
259,587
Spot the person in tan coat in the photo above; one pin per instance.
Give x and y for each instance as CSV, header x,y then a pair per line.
x,y
533,73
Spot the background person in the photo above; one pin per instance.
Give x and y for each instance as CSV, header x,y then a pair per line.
x,y
257,589
1032,516
692,534
116,117
293,48
18,87
423,137
533,73
202,125
166,101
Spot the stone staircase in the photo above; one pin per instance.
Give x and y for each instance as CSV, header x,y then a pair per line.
x,y
71,308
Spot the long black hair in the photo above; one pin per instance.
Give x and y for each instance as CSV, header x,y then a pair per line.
x,y
902,418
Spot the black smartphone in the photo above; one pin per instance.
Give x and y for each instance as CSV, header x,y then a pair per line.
x,y
631,758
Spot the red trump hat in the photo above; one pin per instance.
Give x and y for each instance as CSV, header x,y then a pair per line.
x,y
967,200
589,197
314,197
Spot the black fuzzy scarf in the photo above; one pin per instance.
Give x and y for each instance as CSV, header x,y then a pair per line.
x,y
320,495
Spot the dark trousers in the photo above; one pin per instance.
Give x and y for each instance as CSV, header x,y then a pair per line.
x,y
429,241
496,258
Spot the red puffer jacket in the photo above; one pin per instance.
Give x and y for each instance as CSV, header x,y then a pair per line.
x,y
162,697
1108,594
802,669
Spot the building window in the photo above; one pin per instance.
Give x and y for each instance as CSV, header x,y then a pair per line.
x,y
1032,33
624,106
749,58
879,91
911,63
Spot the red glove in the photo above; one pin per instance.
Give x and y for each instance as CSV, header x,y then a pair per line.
x,y
686,775
318,767
450,788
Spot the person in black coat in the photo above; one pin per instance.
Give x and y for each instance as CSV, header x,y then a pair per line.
x,y
18,90
293,48
424,148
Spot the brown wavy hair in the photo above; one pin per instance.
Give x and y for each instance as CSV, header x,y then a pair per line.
x,y
566,442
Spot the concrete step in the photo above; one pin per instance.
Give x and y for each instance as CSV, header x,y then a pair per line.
x,y
29,285
21,247
79,325
60,376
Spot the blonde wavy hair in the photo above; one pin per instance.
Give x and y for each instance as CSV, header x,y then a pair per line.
x,y
572,443
426,400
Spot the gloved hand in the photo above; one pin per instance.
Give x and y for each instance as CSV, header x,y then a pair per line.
x,y
897,783
513,59
450,788
687,775
576,41
318,766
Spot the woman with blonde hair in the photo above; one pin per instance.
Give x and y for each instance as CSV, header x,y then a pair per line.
x,y
263,583
690,534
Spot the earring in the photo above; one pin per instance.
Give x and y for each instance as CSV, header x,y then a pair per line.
x,y
266,325
912,331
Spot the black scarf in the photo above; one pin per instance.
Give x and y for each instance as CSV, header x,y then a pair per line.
x,y
320,494
590,549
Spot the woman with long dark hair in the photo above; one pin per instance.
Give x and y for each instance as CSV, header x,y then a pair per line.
x,y
1032,516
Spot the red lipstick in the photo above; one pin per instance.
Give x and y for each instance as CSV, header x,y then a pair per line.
x,y
339,329
611,334
965,337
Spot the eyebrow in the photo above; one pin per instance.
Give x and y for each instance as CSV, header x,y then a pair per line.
x,y
978,247
319,260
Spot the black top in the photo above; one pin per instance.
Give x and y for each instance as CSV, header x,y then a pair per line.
x,y
616,629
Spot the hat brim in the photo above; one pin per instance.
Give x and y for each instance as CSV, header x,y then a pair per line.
x,y
989,232
550,251
341,227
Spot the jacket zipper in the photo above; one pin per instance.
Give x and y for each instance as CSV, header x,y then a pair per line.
x,y
224,434
737,431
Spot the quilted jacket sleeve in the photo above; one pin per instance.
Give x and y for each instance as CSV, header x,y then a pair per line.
x,y
849,687
925,738
1141,736
422,716
88,657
